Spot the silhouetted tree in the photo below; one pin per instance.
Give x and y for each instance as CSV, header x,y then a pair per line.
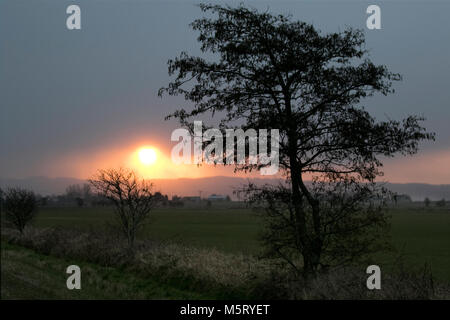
x,y
20,206
43,201
440,203
131,196
160,198
275,73
1,200
86,191
351,215
79,201
79,194
427,202
73,191
401,198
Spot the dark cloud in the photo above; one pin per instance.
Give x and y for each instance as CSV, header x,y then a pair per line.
x,y
67,90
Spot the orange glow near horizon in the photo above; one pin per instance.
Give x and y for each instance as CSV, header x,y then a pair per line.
x,y
152,160
149,159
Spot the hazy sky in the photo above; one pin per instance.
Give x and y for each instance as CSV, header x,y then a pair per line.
x,y
72,101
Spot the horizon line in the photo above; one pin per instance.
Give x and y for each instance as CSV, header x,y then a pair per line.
x,y
210,177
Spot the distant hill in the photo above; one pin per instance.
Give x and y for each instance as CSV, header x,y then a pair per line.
x,y
218,185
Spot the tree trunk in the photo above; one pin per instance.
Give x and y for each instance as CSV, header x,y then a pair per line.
x,y
300,218
310,239
315,237
297,196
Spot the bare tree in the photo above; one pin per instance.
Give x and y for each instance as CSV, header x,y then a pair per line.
x,y
73,191
1,200
86,191
130,195
441,203
20,206
79,194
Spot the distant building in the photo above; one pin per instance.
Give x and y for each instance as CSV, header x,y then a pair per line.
x,y
191,199
218,197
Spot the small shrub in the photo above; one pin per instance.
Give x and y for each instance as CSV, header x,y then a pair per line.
x,y
20,206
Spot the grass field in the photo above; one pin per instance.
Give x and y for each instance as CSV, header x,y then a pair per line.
x,y
421,235
230,230
28,275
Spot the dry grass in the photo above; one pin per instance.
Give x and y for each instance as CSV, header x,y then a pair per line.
x,y
225,275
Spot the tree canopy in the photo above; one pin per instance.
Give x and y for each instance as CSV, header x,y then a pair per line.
x,y
275,73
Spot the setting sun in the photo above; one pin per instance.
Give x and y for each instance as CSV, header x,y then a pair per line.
x,y
147,156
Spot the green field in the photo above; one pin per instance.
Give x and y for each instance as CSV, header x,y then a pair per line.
x,y
421,235
28,275
230,230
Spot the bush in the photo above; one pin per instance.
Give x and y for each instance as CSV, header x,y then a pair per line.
x,y
20,206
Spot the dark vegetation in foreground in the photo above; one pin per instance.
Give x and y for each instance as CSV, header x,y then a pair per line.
x,y
26,274
418,233
156,269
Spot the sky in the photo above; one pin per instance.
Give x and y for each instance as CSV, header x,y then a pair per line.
x,y
73,101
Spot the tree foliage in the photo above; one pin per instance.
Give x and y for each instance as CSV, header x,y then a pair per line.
x,y
275,73
353,222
